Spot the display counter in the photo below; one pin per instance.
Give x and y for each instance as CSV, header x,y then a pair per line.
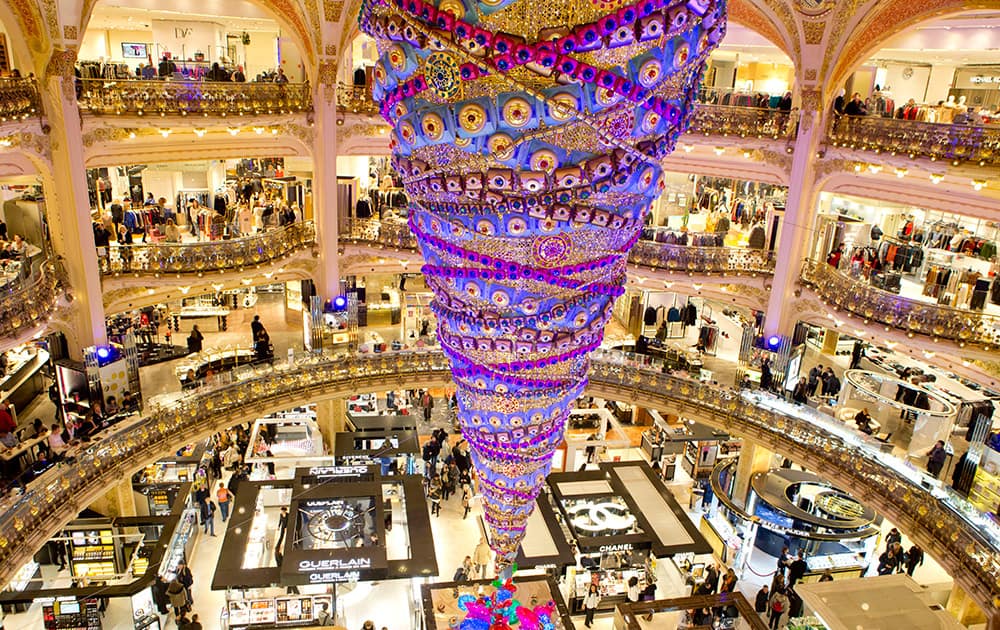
x,y
197,312
23,379
277,612
181,544
214,359
612,586
725,540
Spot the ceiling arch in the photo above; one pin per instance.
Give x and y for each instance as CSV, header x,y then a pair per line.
x,y
26,33
885,20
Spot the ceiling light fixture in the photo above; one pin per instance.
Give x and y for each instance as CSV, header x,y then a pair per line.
x,y
936,178
979,184
688,148
719,150
233,130
875,168
258,130
166,132
901,172
200,132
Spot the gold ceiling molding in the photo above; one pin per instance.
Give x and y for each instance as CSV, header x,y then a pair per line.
x,y
29,18
746,13
52,18
814,32
845,12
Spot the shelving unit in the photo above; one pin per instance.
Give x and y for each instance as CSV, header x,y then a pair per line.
x,y
985,490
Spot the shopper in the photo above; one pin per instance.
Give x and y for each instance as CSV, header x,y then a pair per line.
x,y
864,421
712,578
914,558
765,375
223,496
256,327
282,525
893,537
834,258
797,569
178,597
429,453
195,624
427,404
434,494
728,582
590,603
826,577
887,562
935,459
779,604
466,501
186,578
323,617
482,557
632,594
195,340
760,603
801,392
208,517
814,377
856,107
368,625
857,353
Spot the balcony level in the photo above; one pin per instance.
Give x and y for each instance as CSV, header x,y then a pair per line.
x,y
31,301
952,531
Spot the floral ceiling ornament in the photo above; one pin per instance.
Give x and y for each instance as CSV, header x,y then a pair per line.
x,y
530,149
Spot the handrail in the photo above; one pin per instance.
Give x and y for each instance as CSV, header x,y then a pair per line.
x,y
871,303
18,99
142,97
680,258
758,122
198,257
937,141
357,99
964,540
31,301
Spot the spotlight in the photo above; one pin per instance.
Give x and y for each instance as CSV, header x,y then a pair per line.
x,y
340,303
103,353
773,342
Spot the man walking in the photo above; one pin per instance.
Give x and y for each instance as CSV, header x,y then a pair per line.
x,y
223,496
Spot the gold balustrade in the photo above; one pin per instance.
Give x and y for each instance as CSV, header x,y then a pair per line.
x,y
961,538
743,122
202,256
30,302
208,98
18,99
913,316
962,143
357,99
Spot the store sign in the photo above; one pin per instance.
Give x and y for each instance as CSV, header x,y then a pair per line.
x,y
334,563
616,548
981,80
338,471
334,577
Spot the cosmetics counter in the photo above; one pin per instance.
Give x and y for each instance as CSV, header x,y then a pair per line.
x,y
604,513
796,509
23,378
158,485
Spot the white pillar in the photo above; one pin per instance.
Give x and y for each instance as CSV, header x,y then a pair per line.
x,y
68,208
796,223
325,189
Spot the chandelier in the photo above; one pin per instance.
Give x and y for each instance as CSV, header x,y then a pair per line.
x,y
529,137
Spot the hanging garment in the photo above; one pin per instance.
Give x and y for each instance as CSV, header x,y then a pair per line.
x,y
649,317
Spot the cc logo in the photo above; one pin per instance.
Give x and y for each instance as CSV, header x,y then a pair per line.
x,y
600,517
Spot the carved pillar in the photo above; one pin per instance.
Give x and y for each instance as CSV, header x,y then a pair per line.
x,y
68,205
754,458
797,222
965,609
327,275
118,500
331,416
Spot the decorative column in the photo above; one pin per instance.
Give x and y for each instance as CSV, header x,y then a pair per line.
x,y
68,205
324,147
331,416
754,458
795,234
530,156
118,500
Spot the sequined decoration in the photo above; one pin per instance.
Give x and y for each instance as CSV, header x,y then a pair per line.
x,y
529,137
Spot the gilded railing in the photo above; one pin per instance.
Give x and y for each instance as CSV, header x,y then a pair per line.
x,y
973,143
18,99
193,97
357,99
201,256
695,259
709,120
680,258
966,542
914,316
31,301
744,122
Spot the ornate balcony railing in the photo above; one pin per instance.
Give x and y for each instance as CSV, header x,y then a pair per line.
x,y
913,316
744,122
692,259
182,98
678,258
388,233
972,143
357,99
30,301
18,99
202,256
947,526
